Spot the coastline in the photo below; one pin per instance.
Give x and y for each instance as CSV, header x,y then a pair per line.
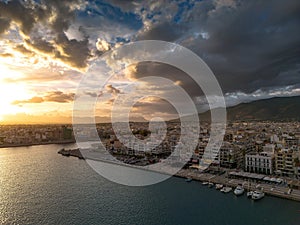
x,y
38,143
269,189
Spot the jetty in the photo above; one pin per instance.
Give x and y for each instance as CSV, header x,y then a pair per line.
x,y
71,152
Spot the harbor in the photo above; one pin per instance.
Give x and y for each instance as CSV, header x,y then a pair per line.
x,y
229,179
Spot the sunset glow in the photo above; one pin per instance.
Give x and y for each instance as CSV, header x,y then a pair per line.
x,y
11,92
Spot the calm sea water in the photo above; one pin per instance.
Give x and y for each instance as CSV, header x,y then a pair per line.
x,y
38,186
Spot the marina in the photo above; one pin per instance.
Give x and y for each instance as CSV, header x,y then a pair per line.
x,y
222,182
277,190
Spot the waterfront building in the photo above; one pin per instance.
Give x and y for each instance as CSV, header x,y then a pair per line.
x,y
259,162
230,155
287,162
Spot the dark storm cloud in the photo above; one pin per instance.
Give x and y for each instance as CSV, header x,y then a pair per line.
x,y
172,73
44,25
22,49
247,44
126,5
165,31
4,25
19,13
154,106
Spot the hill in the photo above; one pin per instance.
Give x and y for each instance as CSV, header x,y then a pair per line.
x,y
273,109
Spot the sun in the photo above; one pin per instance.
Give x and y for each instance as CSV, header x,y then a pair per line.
x,y
10,92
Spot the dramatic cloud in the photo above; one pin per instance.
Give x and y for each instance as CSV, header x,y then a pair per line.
x,y
58,96
253,47
32,100
44,26
4,25
55,96
102,45
246,43
110,89
172,73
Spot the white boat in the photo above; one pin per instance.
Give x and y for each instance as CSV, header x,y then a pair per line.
x,y
249,194
226,189
210,184
219,186
239,190
205,183
257,195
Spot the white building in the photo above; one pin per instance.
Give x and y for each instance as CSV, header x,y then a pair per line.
x,y
259,162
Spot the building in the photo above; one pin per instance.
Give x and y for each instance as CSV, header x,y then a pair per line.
x,y
287,162
230,155
259,162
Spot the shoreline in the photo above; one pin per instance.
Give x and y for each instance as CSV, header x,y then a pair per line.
x,y
39,143
269,189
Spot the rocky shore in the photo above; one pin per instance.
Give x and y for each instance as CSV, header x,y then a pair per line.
x,y
71,152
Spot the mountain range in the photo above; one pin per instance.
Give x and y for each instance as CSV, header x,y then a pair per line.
x,y
273,109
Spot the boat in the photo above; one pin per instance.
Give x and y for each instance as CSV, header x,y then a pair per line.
x,y
205,183
188,179
210,184
257,195
249,194
226,189
219,186
239,190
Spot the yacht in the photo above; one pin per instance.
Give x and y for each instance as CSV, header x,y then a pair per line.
x,y
219,186
226,189
249,194
257,195
210,184
205,183
239,190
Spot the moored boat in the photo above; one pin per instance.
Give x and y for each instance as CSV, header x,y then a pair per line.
x,y
210,184
226,189
257,195
239,190
219,186
249,194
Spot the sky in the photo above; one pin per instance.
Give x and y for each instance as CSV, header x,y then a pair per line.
x,y
48,47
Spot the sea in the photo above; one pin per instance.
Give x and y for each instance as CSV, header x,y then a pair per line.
x,y
39,186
